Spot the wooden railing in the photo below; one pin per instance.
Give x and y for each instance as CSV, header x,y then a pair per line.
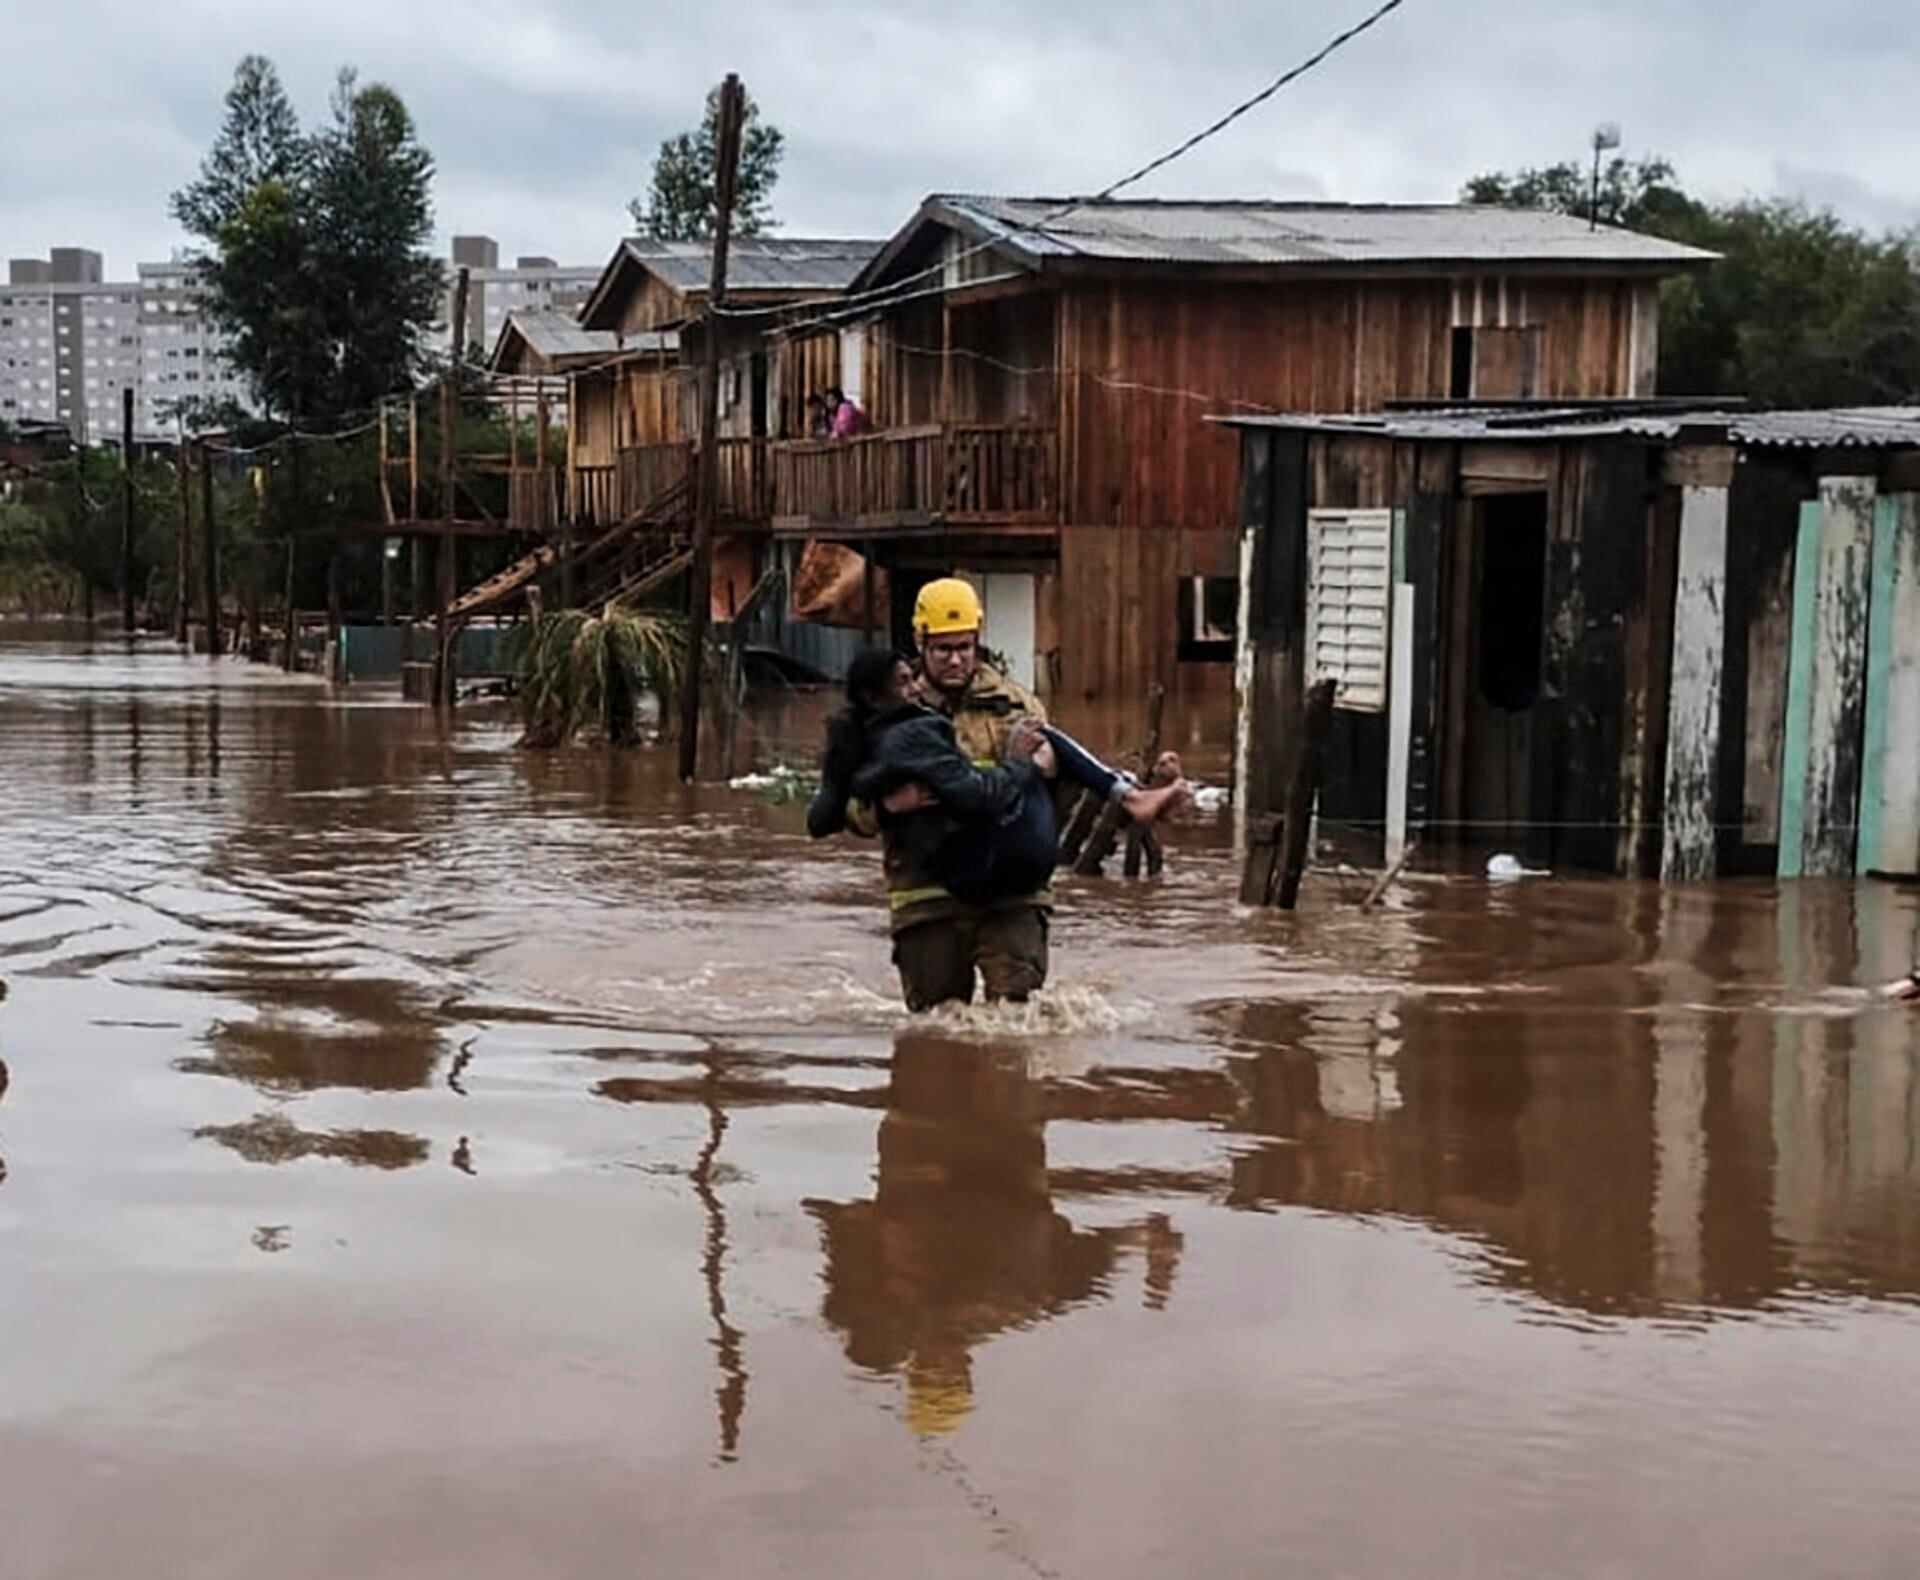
x,y
996,472
533,500
953,472
965,472
648,470
595,496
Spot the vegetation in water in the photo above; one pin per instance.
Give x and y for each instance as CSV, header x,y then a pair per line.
x,y
583,673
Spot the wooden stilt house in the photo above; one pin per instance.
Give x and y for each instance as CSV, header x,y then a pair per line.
x,y
1038,373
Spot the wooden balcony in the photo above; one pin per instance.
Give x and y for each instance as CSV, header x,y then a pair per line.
x,y
954,474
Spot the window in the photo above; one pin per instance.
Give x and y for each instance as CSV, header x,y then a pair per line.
x,y
1349,577
1209,617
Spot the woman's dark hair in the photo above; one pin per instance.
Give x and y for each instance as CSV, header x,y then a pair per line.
x,y
870,675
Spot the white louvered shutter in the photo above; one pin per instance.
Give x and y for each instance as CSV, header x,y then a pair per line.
x,y
1349,581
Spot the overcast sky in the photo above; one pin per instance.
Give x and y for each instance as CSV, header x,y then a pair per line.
x,y
544,117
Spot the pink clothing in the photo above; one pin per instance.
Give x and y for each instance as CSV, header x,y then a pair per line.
x,y
849,421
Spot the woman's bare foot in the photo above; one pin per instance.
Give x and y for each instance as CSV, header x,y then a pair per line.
x,y
1907,989
1147,805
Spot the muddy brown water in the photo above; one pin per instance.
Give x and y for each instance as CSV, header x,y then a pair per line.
x,y
424,1158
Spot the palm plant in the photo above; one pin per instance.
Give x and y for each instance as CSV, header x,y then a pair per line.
x,y
587,672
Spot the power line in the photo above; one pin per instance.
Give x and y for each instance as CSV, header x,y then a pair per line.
x,y
882,294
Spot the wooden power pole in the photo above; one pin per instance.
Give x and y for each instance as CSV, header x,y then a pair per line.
x,y
209,552
126,509
445,680
183,549
707,487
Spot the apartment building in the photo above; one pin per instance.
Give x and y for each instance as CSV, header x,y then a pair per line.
x,y
494,291
69,342
181,349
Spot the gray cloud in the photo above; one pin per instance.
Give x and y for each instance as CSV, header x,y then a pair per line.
x,y
543,118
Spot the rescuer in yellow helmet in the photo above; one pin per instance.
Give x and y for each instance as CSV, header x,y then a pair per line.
x,y
940,941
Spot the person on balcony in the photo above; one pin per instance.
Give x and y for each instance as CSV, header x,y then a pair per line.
x,y
819,417
849,421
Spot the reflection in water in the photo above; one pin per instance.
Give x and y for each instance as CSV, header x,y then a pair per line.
x,y
315,1030
961,1240
273,1138
4,1079
730,1397
1548,1102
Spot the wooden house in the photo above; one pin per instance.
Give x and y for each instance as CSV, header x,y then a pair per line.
x,y
1638,638
532,362
636,416
1038,374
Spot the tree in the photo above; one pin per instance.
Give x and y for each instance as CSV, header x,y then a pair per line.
x,y
1800,310
315,266
681,204
259,141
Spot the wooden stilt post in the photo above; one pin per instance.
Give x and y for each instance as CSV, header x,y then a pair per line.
x,y
1142,845
126,509
1301,791
1106,832
209,553
700,583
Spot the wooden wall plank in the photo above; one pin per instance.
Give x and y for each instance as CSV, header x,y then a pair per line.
x,y
1890,759
1820,802
1797,743
1689,845
1836,726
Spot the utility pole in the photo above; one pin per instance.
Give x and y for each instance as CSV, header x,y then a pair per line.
x,y
707,488
446,682
209,551
183,549
126,510
290,521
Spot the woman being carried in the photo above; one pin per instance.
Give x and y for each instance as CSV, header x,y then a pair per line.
x,y
991,832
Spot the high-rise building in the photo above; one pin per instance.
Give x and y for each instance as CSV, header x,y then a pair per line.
x,y
181,349
69,343
493,291
72,340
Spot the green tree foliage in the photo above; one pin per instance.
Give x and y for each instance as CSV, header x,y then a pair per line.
x,y
682,205
314,261
1801,310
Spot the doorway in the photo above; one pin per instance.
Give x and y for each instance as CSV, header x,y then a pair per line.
x,y
1495,729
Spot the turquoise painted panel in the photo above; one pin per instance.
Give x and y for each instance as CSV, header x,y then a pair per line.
x,y
1797,751
1880,621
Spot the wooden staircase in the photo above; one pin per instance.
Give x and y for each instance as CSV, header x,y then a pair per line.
x,y
628,560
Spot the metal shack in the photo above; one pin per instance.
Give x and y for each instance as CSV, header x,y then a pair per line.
x,y
1637,637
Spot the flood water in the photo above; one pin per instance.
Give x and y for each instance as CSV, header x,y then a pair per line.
x,y
424,1158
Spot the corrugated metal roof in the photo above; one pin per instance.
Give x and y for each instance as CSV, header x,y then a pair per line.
x,y
1847,427
1303,234
554,333
764,263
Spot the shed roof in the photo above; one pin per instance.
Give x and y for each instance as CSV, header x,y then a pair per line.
x,y
1844,427
1272,235
553,335
799,267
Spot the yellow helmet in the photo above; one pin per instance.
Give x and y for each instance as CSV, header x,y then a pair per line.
x,y
946,607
